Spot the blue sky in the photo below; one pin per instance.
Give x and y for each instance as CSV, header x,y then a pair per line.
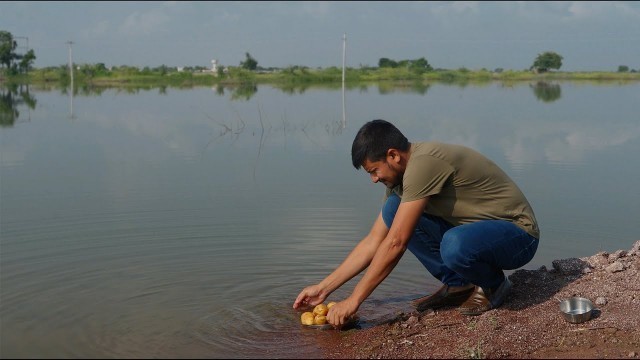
x,y
590,36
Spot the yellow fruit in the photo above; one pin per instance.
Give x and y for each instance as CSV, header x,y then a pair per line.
x,y
320,309
329,305
320,320
307,318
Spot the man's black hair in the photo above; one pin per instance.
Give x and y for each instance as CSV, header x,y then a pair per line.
x,y
374,139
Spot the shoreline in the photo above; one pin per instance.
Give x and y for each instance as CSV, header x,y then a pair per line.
x,y
528,325
306,77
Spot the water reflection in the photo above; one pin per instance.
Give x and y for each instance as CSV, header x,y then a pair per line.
x,y
547,92
544,91
244,91
12,98
417,87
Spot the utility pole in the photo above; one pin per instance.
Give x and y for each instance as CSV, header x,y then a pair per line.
x,y
71,72
344,54
344,58
70,61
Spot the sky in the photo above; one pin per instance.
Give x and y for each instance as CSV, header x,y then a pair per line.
x,y
590,36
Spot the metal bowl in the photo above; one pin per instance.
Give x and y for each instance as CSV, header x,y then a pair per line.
x,y
576,309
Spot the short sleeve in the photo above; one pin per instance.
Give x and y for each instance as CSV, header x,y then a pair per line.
x,y
425,175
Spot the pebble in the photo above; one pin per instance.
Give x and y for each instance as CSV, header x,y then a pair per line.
x,y
601,301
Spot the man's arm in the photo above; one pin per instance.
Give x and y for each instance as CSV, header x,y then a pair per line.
x,y
358,260
386,257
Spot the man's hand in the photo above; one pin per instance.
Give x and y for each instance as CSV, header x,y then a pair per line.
x,y
342,312
310,296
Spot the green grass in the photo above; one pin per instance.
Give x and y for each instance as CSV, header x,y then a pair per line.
x,y
299,76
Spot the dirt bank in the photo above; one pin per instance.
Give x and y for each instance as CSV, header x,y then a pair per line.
x,y
528,325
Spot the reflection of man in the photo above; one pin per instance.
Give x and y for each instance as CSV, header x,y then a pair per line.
x,y
454,209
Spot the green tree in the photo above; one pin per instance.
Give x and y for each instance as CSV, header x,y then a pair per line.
x,y
623,68
386,62
249,63
27,61
547,60
7,49
420,65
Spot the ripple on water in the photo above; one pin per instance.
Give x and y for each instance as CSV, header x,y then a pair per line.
x,y
264,332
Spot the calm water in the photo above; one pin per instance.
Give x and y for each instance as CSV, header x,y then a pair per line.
x,y
183,222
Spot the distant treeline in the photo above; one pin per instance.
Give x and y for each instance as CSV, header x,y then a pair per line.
x,y
99,74
16,67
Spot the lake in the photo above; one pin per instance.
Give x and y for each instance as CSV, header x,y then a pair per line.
x,y
182,223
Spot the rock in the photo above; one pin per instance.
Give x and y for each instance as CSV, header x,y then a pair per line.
x,y
617,255
598,260
412,320
635,249
571,266
542,268
601,301
615,267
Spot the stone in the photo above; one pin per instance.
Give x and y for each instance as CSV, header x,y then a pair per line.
x,y
412,320
571,266
635,249
598,260
601,301
617,255
615,267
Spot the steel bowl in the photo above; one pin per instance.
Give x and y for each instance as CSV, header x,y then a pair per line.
x,y
576,309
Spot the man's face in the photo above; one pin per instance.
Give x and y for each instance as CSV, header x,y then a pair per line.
x,y
385,171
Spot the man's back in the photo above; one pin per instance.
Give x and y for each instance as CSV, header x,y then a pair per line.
x,y
464,186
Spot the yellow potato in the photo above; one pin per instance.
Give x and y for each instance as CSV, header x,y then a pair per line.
x,y
320,320
320,309
307,318
329,305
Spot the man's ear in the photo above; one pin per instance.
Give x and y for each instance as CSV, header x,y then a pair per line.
x,y
393,155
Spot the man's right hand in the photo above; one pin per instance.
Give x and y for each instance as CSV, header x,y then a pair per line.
x,y
310,296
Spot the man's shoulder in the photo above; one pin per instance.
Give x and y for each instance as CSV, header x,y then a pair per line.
x,y
439,148
433,148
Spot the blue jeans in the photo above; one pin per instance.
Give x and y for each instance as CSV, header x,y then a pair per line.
x,y
474,253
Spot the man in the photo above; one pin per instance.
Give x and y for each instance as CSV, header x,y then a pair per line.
x,y
463,218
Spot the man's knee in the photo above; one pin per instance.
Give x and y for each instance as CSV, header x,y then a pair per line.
x,y
389,209
452,250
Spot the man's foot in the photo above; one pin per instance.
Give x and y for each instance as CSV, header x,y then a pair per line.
x,y
481,300
445,296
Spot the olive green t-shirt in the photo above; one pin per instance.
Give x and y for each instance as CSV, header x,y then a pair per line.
x,y
463,187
